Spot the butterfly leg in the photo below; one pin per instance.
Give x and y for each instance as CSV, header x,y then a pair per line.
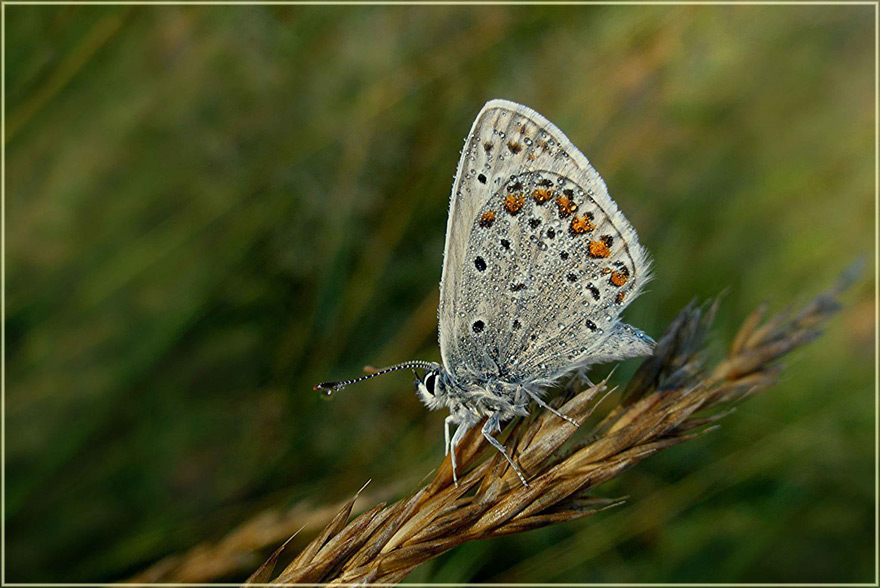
x,y
540,402
456,438
493,424
448,421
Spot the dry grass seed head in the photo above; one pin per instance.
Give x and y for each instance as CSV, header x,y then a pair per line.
x,y
670,399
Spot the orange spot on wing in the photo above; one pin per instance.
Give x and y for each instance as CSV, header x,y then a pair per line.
x,y
599,249
618,279
566,206
487,219
606,270
542,195
513,203
620,297
580,225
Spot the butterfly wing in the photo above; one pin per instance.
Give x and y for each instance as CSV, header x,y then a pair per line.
x,y
539,261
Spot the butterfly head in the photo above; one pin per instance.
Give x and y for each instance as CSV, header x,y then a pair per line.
x,y
432,389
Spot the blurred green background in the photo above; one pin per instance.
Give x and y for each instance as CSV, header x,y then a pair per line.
x,y
209,209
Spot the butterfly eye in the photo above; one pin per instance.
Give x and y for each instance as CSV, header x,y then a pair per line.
x,y
430,382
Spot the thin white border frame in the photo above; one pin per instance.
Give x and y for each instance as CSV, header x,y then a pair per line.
x,y
438,3
4,3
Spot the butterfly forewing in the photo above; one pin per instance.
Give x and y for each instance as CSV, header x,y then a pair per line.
x,y
539,262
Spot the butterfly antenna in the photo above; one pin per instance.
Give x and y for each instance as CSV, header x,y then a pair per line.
x,y
329,388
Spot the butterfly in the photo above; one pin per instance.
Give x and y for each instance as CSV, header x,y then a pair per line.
x,y
538,266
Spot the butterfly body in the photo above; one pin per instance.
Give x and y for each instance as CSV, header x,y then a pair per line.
x,y
538,265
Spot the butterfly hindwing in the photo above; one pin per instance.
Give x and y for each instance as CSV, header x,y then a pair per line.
x,y
539,261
